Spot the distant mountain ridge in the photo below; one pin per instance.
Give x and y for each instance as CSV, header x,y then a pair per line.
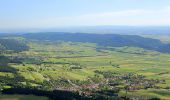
x,y
103,29
114,40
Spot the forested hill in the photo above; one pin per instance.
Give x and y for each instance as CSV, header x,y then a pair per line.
x,y
11,44
103,40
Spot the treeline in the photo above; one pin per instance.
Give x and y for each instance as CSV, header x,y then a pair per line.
x,y
63,95
114,40
58,94
12,44
54,95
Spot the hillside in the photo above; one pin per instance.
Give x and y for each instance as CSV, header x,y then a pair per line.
x,y
11,44
113,40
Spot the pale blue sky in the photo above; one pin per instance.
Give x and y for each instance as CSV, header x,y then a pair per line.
x,y
64,13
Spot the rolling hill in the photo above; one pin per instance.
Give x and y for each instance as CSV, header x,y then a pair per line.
x,y
114,40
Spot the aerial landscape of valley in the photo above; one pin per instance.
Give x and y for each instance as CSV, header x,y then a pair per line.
x,y
85,65
85,50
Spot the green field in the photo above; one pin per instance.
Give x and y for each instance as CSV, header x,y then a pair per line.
x,y
78,61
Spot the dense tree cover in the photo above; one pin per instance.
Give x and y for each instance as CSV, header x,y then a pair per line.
x,y
11,44
54,95
103,40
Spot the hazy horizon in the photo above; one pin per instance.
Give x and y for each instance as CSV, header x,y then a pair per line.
x,y
39,14
101,29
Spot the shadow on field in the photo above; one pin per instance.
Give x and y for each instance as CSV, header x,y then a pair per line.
x,y
4,67
52,95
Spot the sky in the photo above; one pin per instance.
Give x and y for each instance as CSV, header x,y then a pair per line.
x,y
67,13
